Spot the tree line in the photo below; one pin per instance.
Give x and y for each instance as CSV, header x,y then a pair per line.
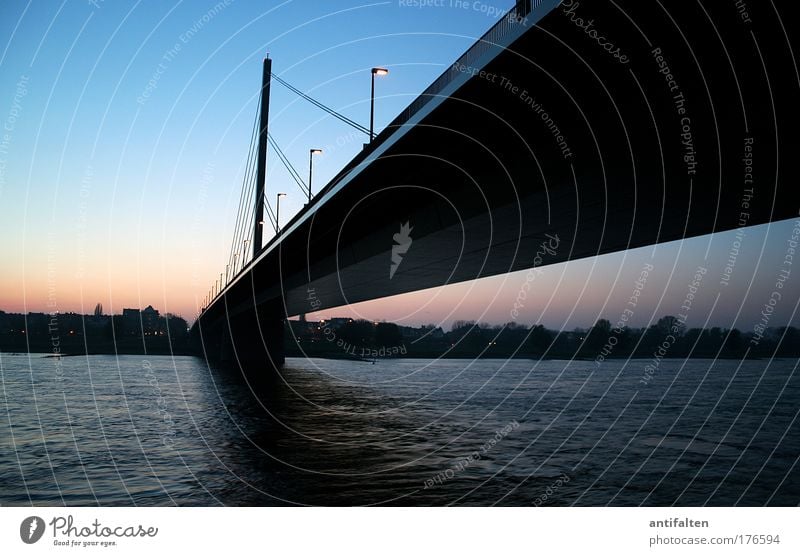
x,y
668,337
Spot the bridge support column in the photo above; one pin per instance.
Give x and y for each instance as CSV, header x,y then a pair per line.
x,y
256,338
251,339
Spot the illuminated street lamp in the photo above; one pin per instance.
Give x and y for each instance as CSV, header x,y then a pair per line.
x,y
311,153
375,71
278,212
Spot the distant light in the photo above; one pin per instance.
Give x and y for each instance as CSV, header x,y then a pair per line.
x,y
316,151
380,71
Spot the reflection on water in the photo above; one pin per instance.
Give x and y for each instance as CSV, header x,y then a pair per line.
x,y
105,430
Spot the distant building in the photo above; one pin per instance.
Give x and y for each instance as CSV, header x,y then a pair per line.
x,y
336,322
131,322
150,321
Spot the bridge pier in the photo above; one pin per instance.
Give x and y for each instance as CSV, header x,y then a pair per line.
x,y
251,339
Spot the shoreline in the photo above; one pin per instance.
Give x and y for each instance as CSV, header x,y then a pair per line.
x,y
333,357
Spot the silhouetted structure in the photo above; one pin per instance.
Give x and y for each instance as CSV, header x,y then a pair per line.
x,y
521,156
133,331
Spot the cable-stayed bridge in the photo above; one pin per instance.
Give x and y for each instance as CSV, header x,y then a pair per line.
x,y
587,127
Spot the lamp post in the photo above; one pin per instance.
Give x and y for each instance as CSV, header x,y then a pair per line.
x,y
260,227
311,153
375,71
278,212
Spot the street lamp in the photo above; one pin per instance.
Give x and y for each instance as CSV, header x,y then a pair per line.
x,y
278,212
311,153
375,71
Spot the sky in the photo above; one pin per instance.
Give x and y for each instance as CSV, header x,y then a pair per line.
x,y
126,127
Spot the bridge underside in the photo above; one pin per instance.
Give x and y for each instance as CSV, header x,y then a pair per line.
x,y
557,138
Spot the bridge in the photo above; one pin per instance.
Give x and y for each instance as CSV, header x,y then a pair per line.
x,y
591,127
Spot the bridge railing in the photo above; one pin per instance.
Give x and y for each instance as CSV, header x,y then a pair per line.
x,y
491,39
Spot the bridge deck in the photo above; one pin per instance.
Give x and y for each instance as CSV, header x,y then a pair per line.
x,y
607,145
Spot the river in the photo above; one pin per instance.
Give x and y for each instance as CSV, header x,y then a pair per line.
x,y
140,431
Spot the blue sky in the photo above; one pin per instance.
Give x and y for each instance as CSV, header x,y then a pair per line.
x,y
126,155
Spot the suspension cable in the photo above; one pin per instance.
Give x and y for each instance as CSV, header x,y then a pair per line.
x,y
288,165
318,104
245,215
249,185
245,193
271,213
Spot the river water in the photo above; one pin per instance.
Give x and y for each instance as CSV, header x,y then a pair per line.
x,y
133,430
